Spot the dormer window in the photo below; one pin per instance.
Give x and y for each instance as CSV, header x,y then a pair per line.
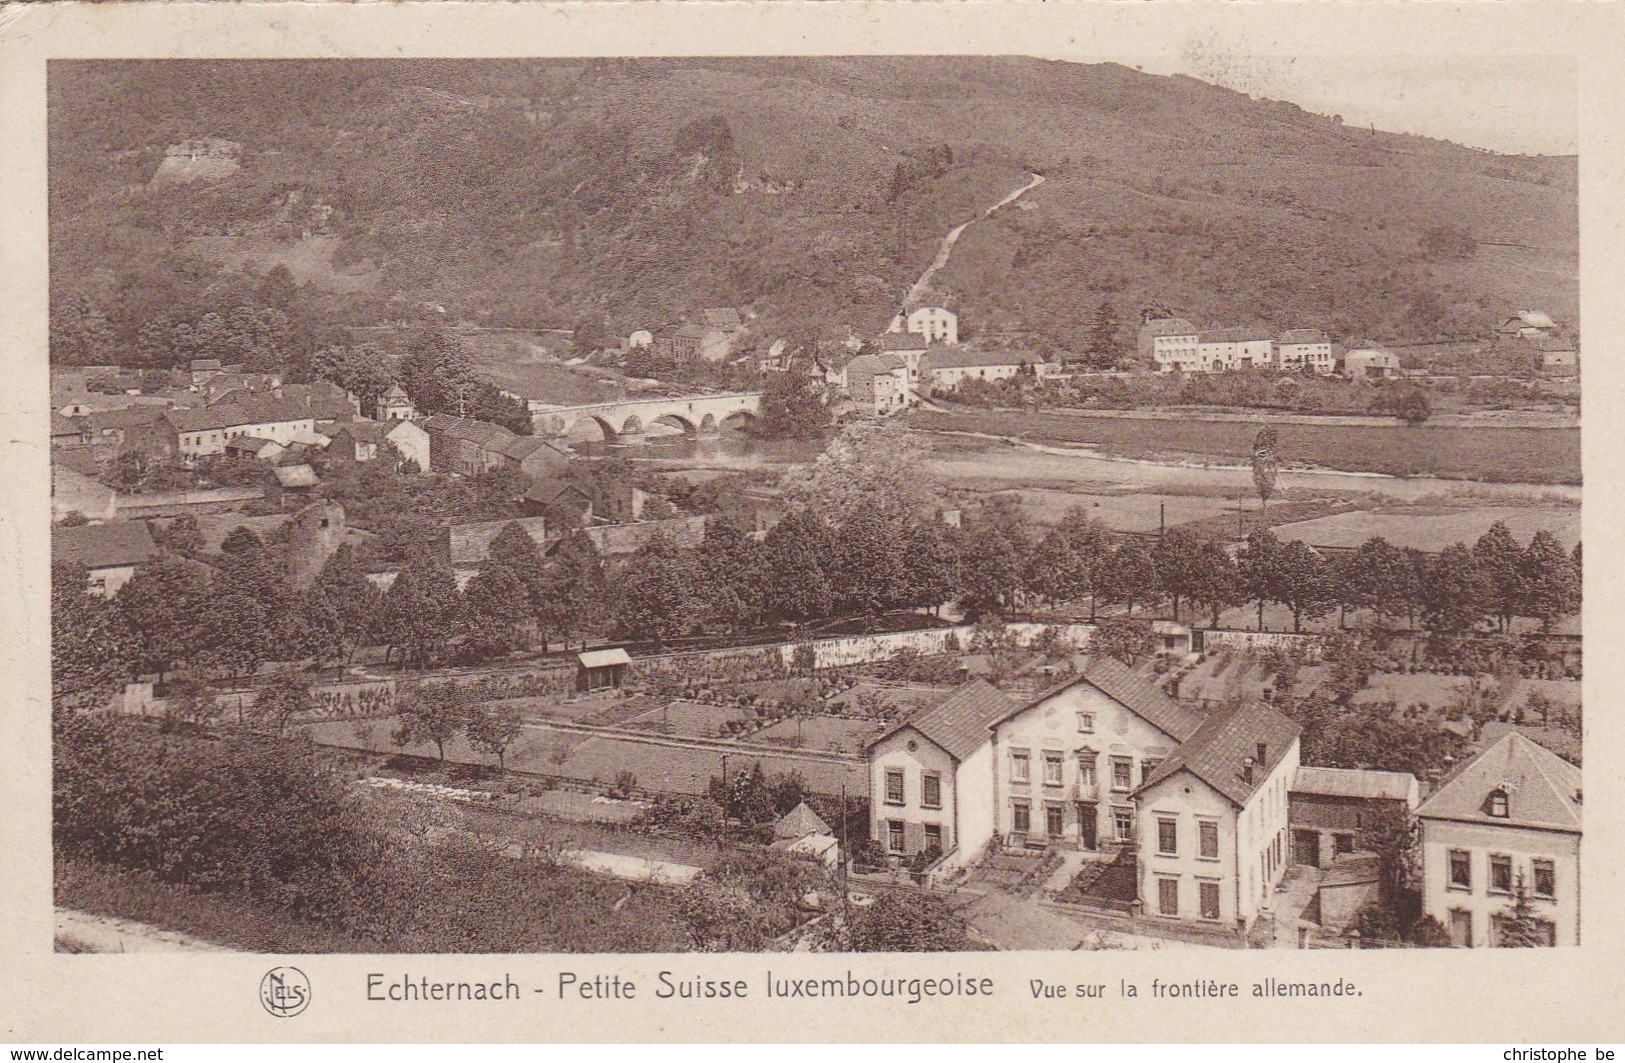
x,y
1496,804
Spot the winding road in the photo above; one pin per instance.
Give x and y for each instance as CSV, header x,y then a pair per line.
x,y
917,293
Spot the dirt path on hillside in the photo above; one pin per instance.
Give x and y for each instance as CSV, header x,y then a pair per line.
x,y
82,932
917,293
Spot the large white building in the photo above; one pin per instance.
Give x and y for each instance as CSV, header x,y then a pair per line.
x,y
1213,820
1303,349
930,777
935,323
1173,345
1508,819
1218,350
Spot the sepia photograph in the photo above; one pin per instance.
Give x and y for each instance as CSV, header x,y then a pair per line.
x,y
808,504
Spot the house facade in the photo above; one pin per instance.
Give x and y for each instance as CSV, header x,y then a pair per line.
x,y
395,405
1329,808
462,445
1066,764
1224,349
1173,345
945,368
878,383
1305,350
411,442
935,323
1213,820
1508,819
929,777
110,553
1370,363
199,433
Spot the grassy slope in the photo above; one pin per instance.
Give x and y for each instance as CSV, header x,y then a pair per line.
x,y
535,193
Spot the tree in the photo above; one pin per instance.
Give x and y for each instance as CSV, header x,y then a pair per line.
x,y
345,604
1266,466
281,697
576,590
1519,929
657,593
182,536
1500,561
993,552
363,370
1456,595
1259,569
1216,583
1377,576
1131,575
1304,582
1548,580
496,609
431,713
163,605
1102,344
91,647
493,728
900,921
421,610
515,550
192,704
1127,638
794,406
1394,835
795,585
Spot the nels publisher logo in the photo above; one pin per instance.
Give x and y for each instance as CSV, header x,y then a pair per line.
x,y
285,991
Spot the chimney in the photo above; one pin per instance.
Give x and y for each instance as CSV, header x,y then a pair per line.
x,y
1263,754
1247,770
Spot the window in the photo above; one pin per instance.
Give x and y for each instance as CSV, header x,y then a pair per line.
x,y
1500,874
1545,878
1147,766
1496,804
1021,817
931,789
1020,766
933,836
1167,836
1086,770
1207,833
1054,824
1210,900
1052,768
1461,869
894,786
894,834
1342,842
1086,723
1167,896
1122,773
1123,823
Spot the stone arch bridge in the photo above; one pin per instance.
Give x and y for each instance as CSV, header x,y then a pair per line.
x,y
626,421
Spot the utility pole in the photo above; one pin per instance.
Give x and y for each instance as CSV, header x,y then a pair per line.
x,y
846,865
726,799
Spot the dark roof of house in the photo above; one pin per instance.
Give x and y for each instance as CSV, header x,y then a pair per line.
x,y
1237,334
80,457
902,341
1543,789
209,419
521,447
546,492
483,433
721,317
363,431
1219,750
959,722
395,392
1355,782
868,365
251,444
1304,335
117,543
799,822
200,365
63,426
1168,326
1141,697
123,417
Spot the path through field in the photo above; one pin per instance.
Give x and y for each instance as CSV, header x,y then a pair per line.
x,y
921,287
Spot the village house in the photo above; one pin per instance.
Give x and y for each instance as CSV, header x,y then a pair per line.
x,y
1173,344
204,368
1507,819
695,342
110,553
411,442
878,383
74,491
394,405
1224,349
1305,349
198,433
1328,809
1371,363
561,499
1213,819
355,441
929,777
534,457
945,368
1556,357
936,324
462,445
255,447
1152,327
1528,323
1067,763
909,347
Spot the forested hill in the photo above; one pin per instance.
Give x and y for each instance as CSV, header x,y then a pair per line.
x,y
552,193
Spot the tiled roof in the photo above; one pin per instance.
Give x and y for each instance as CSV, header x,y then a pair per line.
x,y
252,444
721,317
121,542
200,365
1168,326
395,392
943,356
63,426
902,341
1543,789
364,431
209,419
799,822
1242,334
80,457
1144,699
481,432
868,365
1217,753
1355,782
295,475
546,492
124,417
1304,335
959,722
521,447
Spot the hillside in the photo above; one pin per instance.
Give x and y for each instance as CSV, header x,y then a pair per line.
x,y
549,193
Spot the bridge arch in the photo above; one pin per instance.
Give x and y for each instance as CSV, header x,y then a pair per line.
x,y
633,426
591,428
677,420
708,424
738,421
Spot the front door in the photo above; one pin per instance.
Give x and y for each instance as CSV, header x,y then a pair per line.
x,y
1306,847
1086,826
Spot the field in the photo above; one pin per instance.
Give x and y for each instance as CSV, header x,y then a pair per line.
x,y
835,734
1433,528
686,718
592,758
1494,454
